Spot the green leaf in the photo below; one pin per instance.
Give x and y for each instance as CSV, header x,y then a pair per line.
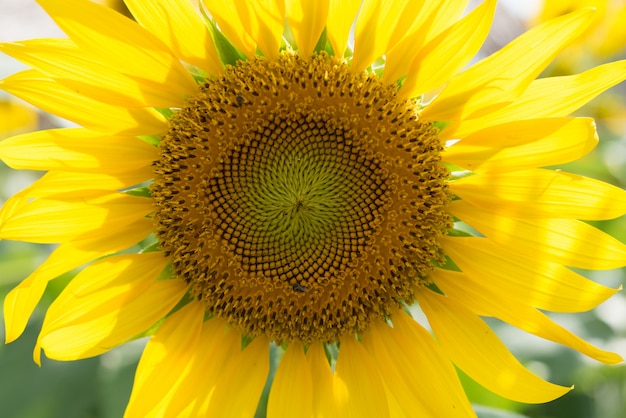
x,y
229,54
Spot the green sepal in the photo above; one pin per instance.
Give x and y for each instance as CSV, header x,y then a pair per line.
x,y
151,248
440,124
151,139
198,75
165,111
378,67
184,301
167,273
323,45
139,191
448,265
457,172
229,54
245,341
400,83
459,233
433,287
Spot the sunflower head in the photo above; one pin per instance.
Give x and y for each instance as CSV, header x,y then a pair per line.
x,y
300,200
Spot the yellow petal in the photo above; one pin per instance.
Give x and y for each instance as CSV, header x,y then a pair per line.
x,y
121,44
165,358
358,389
50,96
609,42
224,13
62,182
179,26
63,61
434,18
538,193
525,144
196,384
13,206
77,149
548,98
20,302
341,15
411,351
264,20
416,29
543,283
306,21
475,348
402,398
322,382
487,300
564,241
291,395
448,53
108,303
372,31
241,382
67,217
499,79
16,117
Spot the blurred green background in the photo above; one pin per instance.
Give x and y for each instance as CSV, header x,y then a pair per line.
x,y
100,387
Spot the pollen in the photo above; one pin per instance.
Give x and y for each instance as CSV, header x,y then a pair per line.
x,y
300,200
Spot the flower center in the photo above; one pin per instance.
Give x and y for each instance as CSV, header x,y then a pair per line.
x,y
300,200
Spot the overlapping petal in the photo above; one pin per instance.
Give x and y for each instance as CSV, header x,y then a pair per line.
x,y
486,300
519,145
165,359
370,36
306,21
322,382
469,342
503,76
196,383
247,371
292,387
129,48
224,13
68,216
538,193
566,241
341,15
20,302
550,97
66,63
179,26
435,63
53,97
106,304
358,389
264,21
407,350
543,283
78,150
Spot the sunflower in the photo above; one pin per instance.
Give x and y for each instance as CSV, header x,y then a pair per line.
x,y
290,191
